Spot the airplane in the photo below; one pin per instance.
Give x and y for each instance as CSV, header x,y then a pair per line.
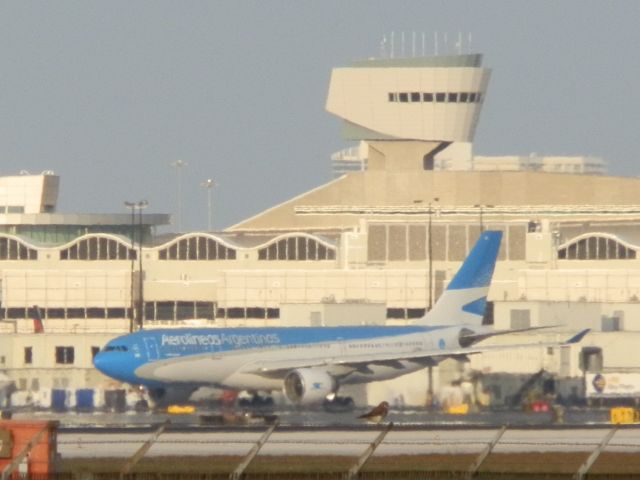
x,y
310,364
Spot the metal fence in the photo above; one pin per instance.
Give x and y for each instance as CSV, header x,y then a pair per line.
x,y
498,453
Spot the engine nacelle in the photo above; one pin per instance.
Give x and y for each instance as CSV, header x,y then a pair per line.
x,y
307,386
466,337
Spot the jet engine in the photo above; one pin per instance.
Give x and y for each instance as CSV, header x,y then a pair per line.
x,y
307,386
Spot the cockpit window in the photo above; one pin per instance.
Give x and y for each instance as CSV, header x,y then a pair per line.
x,y
115,348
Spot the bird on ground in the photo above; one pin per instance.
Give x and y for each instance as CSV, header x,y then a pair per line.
x,y
377,414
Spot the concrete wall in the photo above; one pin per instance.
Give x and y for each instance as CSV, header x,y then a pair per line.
x,y
44,372
332,314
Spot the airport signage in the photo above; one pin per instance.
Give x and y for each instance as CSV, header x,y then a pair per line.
x,y
600,385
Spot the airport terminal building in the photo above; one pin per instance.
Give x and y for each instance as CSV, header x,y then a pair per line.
x,y
377,244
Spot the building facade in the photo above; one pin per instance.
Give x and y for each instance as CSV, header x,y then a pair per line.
x,y
381,241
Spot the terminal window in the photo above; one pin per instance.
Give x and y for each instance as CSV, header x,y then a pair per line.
x,y
297,248
11,249
520,318
98,248
197,248
596,248
65,355
28,355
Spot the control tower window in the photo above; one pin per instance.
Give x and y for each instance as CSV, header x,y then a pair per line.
x,y
464,97
427,97
441,97
472,97
404,97
393,97
453,97
415,96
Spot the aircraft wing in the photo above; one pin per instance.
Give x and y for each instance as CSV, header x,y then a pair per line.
x,y
351,363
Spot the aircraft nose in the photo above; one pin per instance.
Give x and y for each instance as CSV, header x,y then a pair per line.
x,y
99,362
111,364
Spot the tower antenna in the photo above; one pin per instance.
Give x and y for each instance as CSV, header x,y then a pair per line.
x,y
413,43
392,44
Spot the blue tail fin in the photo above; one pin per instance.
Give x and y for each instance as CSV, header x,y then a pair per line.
x,y
464,300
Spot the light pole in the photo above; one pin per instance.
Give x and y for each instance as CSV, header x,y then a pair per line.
x,y
429,402
480,206
209,184
435,199
179,165
136,307
133,246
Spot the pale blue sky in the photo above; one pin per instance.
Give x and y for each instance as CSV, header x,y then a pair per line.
x,y
108,94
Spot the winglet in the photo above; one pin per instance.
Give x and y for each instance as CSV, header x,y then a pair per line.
x,y
577,337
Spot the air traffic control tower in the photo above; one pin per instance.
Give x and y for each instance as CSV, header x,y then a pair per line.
x,y
409,109
417,117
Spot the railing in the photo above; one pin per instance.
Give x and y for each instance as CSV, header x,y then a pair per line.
x,y
345,454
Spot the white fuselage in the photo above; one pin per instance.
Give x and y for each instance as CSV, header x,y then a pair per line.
x,y
240,369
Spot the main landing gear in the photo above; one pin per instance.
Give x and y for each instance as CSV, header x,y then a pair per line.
x,y
339,405
256,402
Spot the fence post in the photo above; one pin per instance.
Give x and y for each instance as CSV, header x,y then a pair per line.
x,y
237,473
353,471
477,463
8,470
136,457
584,468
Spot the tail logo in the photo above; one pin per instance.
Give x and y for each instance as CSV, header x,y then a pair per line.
x,y
476,307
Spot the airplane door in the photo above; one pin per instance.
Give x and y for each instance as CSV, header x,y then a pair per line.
x,y
153,353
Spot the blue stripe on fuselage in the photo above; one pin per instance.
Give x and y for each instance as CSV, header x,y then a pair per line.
x,y
124,355
182,342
